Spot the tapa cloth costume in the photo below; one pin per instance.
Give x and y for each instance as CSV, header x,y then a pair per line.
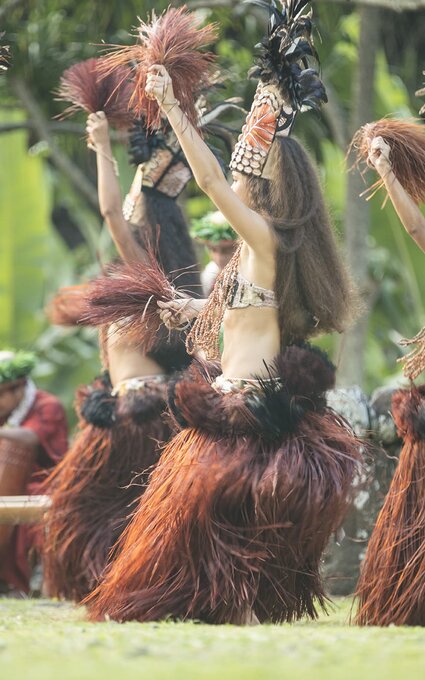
x,y
242,503
47,419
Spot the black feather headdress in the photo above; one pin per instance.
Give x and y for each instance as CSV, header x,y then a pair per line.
x,y
285,54
287,83
164,167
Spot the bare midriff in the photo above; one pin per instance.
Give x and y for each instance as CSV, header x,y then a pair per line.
x,y
251,334
251,339
127,361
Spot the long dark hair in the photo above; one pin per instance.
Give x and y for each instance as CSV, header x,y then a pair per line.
x,y
166,230
313,288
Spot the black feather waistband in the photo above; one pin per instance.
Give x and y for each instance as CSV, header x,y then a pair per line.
x,y
270,408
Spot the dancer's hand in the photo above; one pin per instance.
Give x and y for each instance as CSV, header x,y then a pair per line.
x,y
159,86
97,129
379,155
177,313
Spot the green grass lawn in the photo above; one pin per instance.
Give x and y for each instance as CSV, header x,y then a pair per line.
x,y
45,640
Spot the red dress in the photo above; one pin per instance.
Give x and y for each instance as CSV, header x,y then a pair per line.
x,y
48,420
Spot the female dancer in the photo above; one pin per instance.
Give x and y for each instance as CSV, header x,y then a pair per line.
x,y
407,209
392,581
121,424
241,506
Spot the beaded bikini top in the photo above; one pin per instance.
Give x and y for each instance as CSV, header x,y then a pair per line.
x,y
247,294
231,291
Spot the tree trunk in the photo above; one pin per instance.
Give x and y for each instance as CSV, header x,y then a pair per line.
x,y
357,215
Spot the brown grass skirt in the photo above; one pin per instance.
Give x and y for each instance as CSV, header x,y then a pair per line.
x,y
94,490
240,508
391,589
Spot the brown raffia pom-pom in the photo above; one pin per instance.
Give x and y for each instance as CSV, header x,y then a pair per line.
x,y
127,296
68,306
87,86
407,157
174,40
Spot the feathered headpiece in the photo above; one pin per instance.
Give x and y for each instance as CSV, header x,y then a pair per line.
x,y
421,93
174,39
161,163
287,85
407,156
160,166
4,56
88,87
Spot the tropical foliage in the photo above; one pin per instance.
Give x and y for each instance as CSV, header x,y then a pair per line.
x,y
51,231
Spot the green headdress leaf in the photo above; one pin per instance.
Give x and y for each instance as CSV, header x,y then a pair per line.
x,y
212,228
18,365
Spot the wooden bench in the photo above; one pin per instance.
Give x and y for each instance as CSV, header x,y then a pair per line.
x,y
23,509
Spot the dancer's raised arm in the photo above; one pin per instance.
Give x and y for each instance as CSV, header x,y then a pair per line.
x,y
407,210
251,226
110,200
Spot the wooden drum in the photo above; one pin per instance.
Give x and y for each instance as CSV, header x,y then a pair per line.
x,y
16,464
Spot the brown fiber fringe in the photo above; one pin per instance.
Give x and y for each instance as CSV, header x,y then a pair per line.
x,y
414,361
93,492
234,521
391,589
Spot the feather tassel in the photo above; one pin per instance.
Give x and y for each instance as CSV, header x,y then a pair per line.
x,y
88,87
174,39
407,157
127,297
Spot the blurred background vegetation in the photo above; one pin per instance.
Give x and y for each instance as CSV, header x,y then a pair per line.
x,y
51,232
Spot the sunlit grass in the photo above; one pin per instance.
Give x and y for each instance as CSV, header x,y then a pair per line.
x,y
42,640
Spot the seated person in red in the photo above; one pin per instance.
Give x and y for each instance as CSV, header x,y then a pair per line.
x,y
33,438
